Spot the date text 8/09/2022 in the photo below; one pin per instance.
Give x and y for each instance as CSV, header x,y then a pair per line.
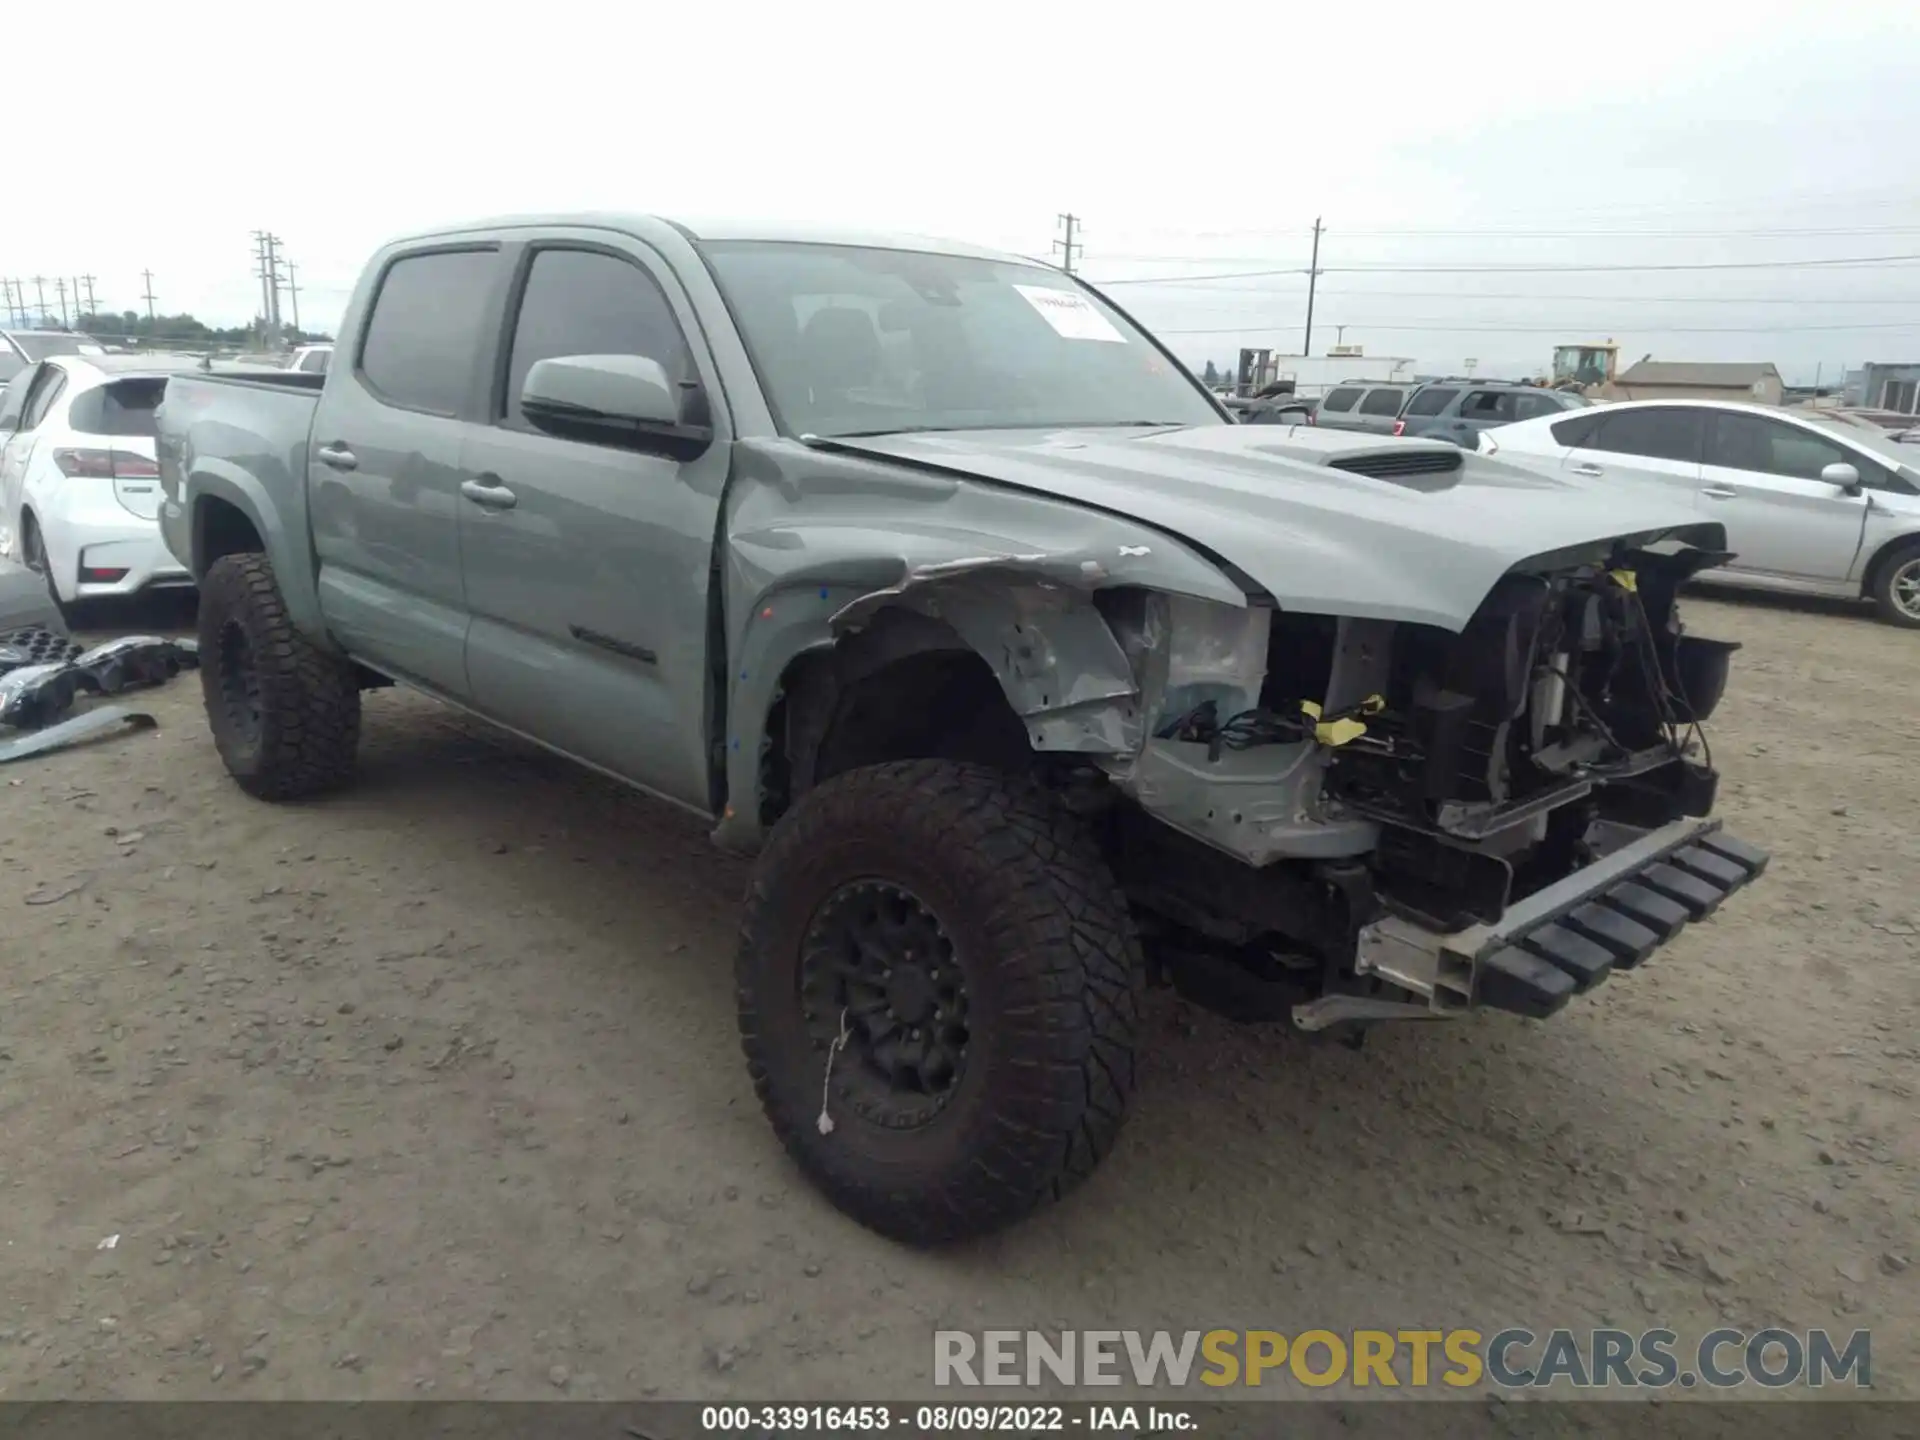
x,y
945,1419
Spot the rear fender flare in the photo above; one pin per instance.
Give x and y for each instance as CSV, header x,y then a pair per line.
x,y
288,542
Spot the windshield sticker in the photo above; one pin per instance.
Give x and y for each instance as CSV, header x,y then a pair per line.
x,y
1070,314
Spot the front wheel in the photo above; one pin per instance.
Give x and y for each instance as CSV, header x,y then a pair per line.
x,y
938,995
285,715
1896,588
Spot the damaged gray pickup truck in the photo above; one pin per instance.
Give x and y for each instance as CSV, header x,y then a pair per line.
x,y
927,575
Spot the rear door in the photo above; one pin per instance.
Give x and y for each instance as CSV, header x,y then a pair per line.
x,y
588,565
1378,412
384,462
1762,481
44,384
1646,444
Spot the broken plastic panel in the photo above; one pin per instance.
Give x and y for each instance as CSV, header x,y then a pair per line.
x,y
35,695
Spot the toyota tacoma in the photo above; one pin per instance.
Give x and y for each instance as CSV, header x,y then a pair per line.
x,y
1030,678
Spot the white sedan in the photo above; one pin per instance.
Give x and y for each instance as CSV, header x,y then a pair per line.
x,y
79,486
1809,506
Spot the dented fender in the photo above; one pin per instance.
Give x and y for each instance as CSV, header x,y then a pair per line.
x,y
816,546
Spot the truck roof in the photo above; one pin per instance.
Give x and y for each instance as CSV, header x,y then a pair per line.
x,y
716,228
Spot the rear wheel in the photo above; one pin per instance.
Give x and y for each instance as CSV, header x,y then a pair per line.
x,y
285,715
33,554
938,990
1896,587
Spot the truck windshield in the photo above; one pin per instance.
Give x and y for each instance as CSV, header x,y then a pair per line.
x,y
851,340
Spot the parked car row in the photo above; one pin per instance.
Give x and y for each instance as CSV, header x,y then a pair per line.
x,y
1453,409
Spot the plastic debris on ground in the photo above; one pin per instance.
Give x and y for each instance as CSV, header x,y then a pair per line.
x,y
43,675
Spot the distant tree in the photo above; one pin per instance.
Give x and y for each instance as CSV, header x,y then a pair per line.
x,y
1212,375
182,329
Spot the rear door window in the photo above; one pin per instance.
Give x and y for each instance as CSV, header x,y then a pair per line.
x,y
1661,433
1490,407
422,339
1382,402
13,401
1341,399
46,389
1431,401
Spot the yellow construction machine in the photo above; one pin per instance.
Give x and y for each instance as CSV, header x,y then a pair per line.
x,y
1588,369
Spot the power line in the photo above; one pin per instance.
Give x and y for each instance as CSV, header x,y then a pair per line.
x,y
1643,329
1879,302
1890,197
1523,269
1158,258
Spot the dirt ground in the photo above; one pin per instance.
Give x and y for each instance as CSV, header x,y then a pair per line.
x,y
434,1089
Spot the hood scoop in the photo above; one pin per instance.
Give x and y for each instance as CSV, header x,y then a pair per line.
x,y
1426,470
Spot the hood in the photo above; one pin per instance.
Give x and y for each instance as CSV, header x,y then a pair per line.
x,y
1420,540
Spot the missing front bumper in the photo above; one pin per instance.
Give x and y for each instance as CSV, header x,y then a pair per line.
x,y
1556,943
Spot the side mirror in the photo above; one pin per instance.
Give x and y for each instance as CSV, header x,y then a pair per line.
x,y
623,400
1843,475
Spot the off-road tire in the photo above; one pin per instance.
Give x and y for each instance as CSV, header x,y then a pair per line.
x,y
297,735
1881,590
1054,973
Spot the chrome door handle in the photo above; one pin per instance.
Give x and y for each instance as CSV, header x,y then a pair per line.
x,y
1588,470
493,497
1720,492
338,457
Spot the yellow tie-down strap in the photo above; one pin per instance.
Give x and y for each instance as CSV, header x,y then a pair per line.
x,y
1344,726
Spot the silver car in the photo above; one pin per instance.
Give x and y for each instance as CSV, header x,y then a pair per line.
x,y
1809,506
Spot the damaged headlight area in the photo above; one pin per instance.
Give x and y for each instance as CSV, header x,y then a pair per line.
x,y
1304,779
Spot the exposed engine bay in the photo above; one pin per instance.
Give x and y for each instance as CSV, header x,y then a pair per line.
x,y
1324,776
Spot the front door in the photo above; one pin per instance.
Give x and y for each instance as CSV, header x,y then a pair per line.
x,y
587,565
1762,481
385,470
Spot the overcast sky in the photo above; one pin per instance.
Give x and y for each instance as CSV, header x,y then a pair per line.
x,y
1192,140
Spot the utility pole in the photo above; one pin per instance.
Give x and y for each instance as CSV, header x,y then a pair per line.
x,y
260,254
6,290
1069,248
293,295
1313,276
60,289
93,305
147,275
40,290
